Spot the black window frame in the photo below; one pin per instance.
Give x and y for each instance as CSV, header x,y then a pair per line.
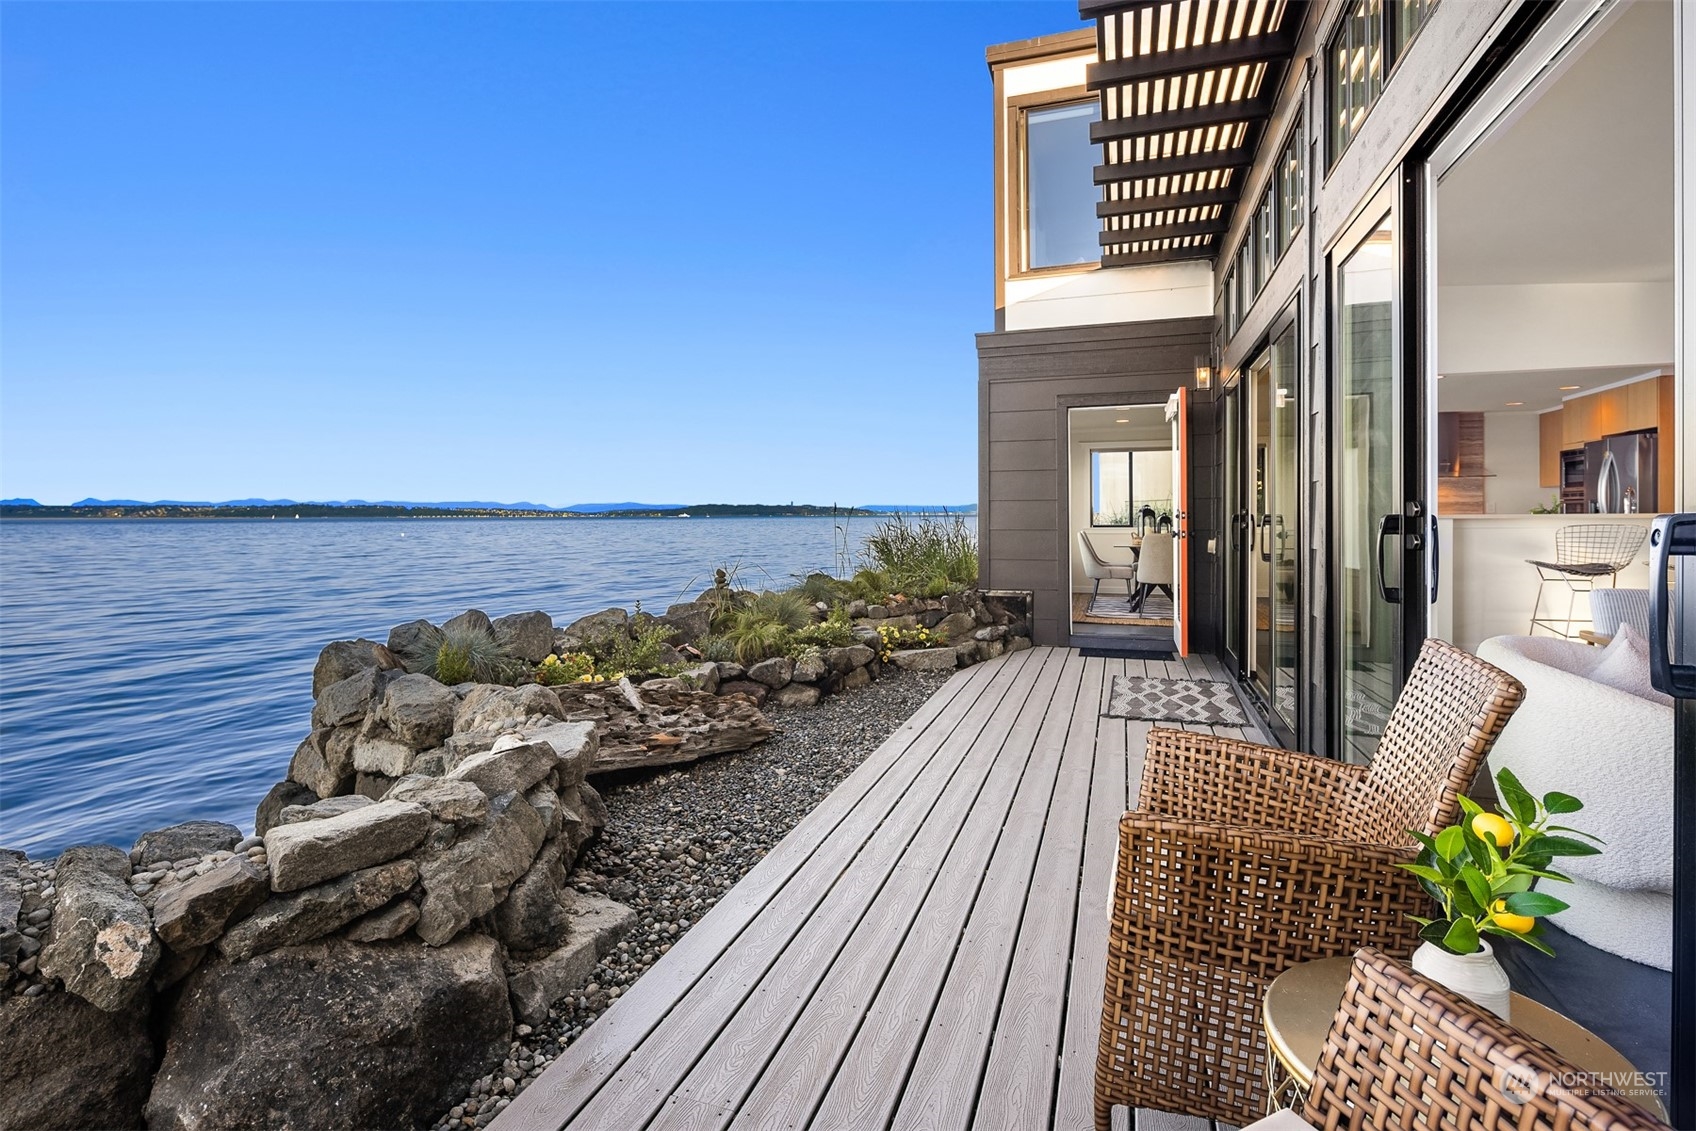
x,y
1397,24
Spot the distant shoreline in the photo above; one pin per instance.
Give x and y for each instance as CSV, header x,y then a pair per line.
x,y
309,510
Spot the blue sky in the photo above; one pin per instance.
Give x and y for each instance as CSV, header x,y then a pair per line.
x,y
563,253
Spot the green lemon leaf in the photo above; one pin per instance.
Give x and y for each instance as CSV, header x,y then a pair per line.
x,y
1561,803
1472,807
1540,873
1423,872
1462,937
1517,797
1451,842
1534,903
1565,846
1476,885
1509,884
1434,931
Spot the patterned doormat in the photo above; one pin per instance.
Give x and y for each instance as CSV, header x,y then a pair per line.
x,y
1116,609
1175,700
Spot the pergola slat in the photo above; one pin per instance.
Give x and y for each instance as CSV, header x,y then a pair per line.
x,y
1237,157
1166,202
1276,47
1175,121
1167,255
1163,232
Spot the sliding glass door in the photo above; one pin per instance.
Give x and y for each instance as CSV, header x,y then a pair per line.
x,y
1377,515
1272,525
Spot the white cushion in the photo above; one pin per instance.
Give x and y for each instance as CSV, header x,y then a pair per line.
x,y
1625,665
1281,1120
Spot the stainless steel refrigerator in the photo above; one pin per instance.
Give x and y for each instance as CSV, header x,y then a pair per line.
x,y
1620,473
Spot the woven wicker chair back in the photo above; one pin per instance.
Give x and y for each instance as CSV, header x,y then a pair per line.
x,y
1404,1054
1443,724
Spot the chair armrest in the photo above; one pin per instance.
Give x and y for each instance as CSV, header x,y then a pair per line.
x,y
1207,778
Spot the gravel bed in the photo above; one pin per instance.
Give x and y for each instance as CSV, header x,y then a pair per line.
x,y
678,840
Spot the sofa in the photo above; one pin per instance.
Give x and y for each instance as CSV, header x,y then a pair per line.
x,y
1613,749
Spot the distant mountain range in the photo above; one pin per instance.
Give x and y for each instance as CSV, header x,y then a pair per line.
x,y
574,508
246,508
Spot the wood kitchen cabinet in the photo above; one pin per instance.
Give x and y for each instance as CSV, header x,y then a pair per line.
x,y
1549,443
1578,426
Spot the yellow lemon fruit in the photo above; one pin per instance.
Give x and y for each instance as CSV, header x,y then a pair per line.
x,y
1488,826
1508,921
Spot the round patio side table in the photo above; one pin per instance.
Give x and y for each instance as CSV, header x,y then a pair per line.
x,y
1300,1003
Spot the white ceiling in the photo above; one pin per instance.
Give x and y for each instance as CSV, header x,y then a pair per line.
x,y
1539,389
1146,427
1580,188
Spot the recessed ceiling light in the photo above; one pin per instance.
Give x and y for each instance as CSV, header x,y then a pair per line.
x,y
1513,404
1570,388
1123,420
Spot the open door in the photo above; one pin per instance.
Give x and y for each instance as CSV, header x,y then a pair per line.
x,y
1178,413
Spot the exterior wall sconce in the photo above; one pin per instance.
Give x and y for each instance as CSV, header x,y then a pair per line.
x,y
1203,374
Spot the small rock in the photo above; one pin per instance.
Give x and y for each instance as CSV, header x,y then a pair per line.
x,y
774,673
528,636
510,770
317,810
281,796
391,922
459,803
195,913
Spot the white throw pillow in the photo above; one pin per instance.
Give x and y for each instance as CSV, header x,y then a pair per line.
x,y
1625,665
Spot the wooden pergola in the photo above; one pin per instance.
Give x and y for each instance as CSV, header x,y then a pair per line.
x,y
1186,89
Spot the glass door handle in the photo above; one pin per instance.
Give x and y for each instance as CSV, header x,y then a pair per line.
x,y
1436,559
1387,525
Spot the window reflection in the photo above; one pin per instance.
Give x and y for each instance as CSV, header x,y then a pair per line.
x,y
1060,193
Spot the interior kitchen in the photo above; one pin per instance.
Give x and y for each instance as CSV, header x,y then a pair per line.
x,y
1554,388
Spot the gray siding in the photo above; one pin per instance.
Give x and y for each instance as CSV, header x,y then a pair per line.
x,y
1027,380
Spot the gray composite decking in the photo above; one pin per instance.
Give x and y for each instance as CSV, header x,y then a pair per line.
x,y
924,950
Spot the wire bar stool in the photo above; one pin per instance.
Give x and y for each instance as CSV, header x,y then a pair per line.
x,y
1584,555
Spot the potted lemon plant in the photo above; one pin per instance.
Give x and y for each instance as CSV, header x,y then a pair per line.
x,y
1481,872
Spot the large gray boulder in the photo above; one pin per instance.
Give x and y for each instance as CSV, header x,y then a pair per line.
x,y
11,902
796,695
597,925
774,673
283,795
690,622
810,668
70,1065
528,636
334,1034
102,944
410,641
343,658
491,709
195,912
471,620
458,803
925,660
512,768
318,810
380,752
176,842
323,762
471,876
311,852
536,914
956,628
347,700
599,626
418,711
287,920
574,746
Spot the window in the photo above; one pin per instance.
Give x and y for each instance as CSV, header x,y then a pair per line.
x,y
1124,484
1366,44
1291,197
1266,232
1059,186
1231,304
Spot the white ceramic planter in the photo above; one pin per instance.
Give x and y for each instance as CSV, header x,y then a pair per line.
x,y
1477,977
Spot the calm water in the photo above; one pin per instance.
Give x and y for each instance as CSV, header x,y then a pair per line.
x,y
153,672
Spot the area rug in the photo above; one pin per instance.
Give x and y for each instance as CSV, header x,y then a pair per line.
x,y
1116,609
1175,700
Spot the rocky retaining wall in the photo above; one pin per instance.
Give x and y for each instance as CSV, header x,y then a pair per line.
x,y
402,903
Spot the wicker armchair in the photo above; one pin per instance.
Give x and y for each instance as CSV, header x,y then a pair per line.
x,y
1404,1054
1244,859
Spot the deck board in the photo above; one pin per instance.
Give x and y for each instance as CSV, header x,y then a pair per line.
x,y
925,949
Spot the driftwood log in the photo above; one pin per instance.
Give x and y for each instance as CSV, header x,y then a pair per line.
x,y
641,727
